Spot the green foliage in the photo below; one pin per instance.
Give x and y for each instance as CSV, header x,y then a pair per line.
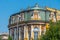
x,y
9,38
0,38
53,33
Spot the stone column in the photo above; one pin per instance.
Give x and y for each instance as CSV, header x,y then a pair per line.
x,y
45,30
25,32
38,26
32,33
12,34
9,32
19,33
39,32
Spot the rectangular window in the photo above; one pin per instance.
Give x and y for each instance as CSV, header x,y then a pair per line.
x,y
42,15
47,16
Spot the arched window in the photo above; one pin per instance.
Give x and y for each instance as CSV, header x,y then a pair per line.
x,y
36,29
36,33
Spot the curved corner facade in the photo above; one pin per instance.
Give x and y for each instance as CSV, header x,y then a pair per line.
x,y
31,23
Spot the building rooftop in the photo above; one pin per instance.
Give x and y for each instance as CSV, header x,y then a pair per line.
x,y
4,33
37,7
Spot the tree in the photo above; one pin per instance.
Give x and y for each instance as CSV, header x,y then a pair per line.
x,y
53,33
9,38
0,38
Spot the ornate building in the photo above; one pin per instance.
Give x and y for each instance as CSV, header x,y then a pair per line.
x,y
31,23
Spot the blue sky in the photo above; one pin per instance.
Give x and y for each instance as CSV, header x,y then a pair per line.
x,y
9,7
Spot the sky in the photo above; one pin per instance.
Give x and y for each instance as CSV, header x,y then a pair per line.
x,y
9,7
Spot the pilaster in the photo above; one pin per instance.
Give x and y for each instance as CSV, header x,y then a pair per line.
x,y
40,29
19,33
32,33
39,32
25,32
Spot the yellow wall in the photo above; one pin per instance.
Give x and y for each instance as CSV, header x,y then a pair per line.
x,y
26,33
57,12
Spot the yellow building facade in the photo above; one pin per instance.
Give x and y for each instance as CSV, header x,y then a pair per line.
x,y
31,23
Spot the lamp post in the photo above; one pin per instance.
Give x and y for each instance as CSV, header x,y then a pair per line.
x,y
18,26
